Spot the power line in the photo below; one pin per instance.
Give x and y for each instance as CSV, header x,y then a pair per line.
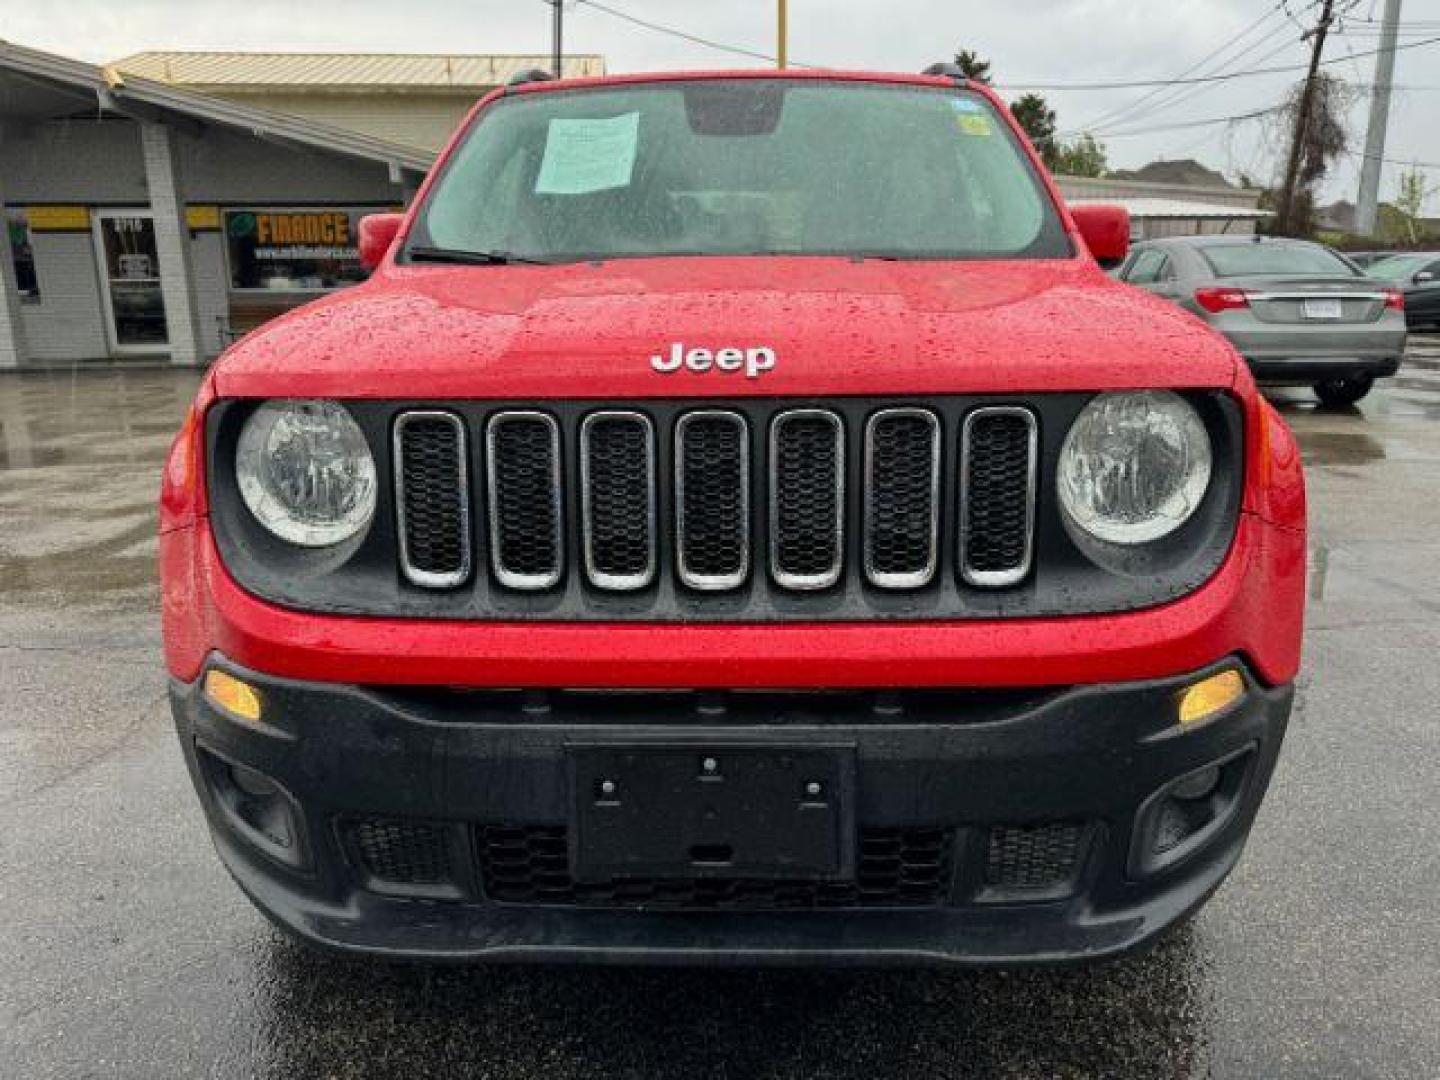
x,y
1186,124
718,46
1114,115
1201,79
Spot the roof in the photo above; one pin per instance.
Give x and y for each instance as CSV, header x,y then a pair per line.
x,y
125,94
1176,208
256,71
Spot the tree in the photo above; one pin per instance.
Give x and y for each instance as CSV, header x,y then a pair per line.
x,y
1410,200
1083,156
1037,118
972,66
1322,141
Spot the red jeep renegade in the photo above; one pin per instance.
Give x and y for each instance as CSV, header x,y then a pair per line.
x,y
738,521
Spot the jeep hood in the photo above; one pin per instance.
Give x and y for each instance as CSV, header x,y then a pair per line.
x,y
837,326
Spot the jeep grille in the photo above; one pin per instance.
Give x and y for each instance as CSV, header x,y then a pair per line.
x,y
810,470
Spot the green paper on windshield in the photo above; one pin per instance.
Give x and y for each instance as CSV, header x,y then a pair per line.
x,y
582,156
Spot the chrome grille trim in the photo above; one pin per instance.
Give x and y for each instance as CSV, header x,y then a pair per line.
x,y
597,577
430,579
828,577
998,579
917,578
712,582
527,582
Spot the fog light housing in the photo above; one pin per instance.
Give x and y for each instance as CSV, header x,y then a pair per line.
x,y
257,808
1188,813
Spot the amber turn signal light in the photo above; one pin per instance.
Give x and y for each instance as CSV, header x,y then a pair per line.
x,y
232,694
1209,696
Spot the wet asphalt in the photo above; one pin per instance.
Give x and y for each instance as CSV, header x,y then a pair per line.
x,y
126,952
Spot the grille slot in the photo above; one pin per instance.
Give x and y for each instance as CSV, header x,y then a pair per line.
x,y
617,485
895,868
397,852
902,498
432,498
807,498
712,499
1034,858
998,461
523,463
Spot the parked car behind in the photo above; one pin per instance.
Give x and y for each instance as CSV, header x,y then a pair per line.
x,y
1417,274
1299,313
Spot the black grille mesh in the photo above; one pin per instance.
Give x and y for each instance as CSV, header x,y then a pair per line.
x,y
896,868
714,525
525,513
901,495
402,852
619,496
805,500
998,490
436,532
1033,857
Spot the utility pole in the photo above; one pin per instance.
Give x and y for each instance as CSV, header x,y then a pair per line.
x,y
1285,216
782,34
557,35
1367,203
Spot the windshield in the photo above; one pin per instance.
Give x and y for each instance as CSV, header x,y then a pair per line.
x,y
741,167
1395,267
1269,258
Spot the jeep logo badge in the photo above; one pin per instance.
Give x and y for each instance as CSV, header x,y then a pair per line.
x,y
753,362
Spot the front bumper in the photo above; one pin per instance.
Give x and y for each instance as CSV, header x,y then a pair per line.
x,y
1045,799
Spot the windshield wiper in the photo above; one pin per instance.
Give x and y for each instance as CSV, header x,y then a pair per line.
x,y
465,257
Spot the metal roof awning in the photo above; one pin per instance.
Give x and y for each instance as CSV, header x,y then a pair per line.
x,y
129,95
1186,209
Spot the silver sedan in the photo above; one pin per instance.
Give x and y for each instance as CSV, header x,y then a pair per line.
x,y
1299,313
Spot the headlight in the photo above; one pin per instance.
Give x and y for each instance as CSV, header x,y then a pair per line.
x,y
1134,466
305,472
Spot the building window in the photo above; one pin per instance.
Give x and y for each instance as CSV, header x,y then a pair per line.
x,y
23,254
288,250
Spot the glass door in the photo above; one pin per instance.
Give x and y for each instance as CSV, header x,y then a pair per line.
x,y
130,267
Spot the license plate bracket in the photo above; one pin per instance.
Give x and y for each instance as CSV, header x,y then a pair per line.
x,y
712,810
1323,308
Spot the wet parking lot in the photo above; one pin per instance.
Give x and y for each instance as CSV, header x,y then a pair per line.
x,y
126,952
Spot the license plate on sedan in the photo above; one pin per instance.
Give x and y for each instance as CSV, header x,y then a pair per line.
x,y
1323,309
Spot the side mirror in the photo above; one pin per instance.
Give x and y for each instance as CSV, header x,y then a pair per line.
x,y
1105,230
377,233
1423,276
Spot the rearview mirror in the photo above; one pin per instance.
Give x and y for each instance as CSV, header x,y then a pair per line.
x,y
1105,230
377,233
1421,277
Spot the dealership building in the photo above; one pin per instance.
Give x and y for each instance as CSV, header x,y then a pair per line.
x,y
158,207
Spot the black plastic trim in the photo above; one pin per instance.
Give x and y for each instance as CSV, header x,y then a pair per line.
x,y
363,575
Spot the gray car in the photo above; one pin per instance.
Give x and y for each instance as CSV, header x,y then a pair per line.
x,y
1299,313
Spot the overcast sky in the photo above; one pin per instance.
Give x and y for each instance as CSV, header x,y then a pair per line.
x,y
1027,41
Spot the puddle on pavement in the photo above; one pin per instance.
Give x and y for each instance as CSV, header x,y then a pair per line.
x,y
1339,447
80,459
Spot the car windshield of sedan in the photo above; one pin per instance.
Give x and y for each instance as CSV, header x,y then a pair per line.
x,y
739,167
1267,258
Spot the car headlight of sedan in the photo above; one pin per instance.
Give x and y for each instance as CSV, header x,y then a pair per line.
x,y
306,473
1134,466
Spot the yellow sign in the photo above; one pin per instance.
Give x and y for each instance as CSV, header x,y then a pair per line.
x,y
276,229
202,218
58,218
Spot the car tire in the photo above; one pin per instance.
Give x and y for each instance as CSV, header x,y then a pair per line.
x,y
1341,393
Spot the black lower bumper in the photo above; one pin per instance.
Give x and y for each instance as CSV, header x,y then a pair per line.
x,y
989,827
1304,370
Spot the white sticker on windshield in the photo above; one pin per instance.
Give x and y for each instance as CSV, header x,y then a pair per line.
x,y
582,156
